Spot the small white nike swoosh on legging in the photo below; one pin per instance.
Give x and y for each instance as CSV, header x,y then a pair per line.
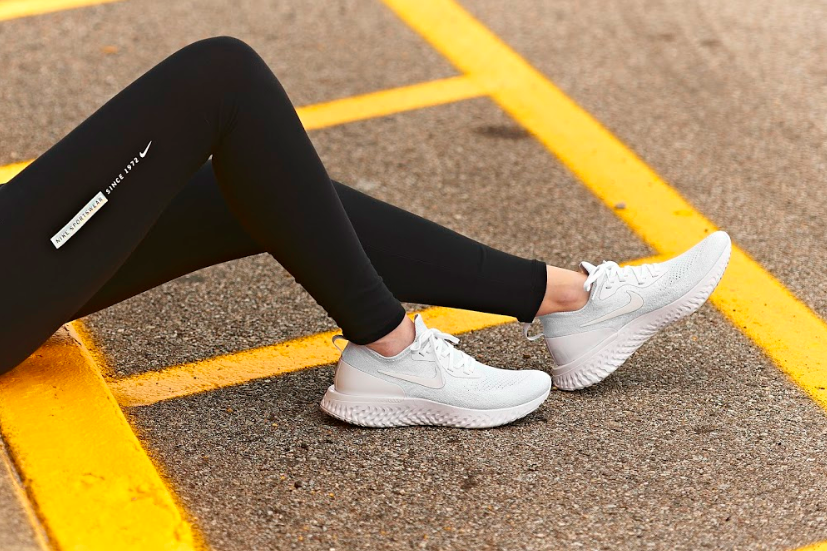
x,y
635,302
431,382
143,153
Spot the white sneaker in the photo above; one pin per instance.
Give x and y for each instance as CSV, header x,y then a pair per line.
x,y
429,383
627,306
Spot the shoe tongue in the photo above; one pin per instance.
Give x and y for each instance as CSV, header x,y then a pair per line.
x,y
587,267
419,324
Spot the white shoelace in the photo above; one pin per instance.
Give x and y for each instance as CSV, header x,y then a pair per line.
x,y
444,351
616,274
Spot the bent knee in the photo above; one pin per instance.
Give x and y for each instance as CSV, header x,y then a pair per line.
x,y
228,45
225,53
208,69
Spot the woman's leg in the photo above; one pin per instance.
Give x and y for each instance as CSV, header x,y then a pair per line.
x,y
423,262
419,260
119,170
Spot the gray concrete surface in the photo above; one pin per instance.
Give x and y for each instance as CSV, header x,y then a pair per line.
x,y
698,442
16,530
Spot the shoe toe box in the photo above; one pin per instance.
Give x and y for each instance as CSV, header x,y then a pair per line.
x,y
690,267
507,387
714,245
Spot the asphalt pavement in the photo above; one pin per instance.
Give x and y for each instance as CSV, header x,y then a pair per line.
x,y
698,442
17,530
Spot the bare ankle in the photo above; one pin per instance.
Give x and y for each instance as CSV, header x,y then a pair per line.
x,y
564,291
397,340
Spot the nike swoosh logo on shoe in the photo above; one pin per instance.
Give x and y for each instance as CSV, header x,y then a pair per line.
x,y
143,153
431,382
635,302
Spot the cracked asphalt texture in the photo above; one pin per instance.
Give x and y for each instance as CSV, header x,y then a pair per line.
x,y
698,442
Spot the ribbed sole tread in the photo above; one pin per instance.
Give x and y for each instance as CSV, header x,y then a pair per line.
x,y
403,413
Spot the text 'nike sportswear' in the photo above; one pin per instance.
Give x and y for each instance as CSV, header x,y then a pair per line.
x,y
430,383
626,307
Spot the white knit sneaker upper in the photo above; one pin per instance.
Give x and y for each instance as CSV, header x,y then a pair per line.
x,y
627,305
432,369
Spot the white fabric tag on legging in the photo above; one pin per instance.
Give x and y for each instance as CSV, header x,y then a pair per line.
x,y
76,223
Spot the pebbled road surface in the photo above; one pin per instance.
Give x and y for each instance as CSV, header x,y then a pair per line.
x,y
699,442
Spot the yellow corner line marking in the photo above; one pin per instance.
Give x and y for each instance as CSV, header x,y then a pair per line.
x,y
388,102
268,361
357,108
87,341
10,171
84,469
755,301
13,9
819,546
240,367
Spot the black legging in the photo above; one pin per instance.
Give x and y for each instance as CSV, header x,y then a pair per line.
x,y
137,174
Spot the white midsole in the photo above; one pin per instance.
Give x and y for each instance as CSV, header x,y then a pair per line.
x,y
380,411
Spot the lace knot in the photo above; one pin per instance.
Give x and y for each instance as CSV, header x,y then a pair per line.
x,y
616,274
447,357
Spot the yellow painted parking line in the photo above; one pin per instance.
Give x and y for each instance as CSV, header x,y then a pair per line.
x,y
223,371
388,102
820,546
87,341
91,483
241,367
46,402
10,171
13,9
755,301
